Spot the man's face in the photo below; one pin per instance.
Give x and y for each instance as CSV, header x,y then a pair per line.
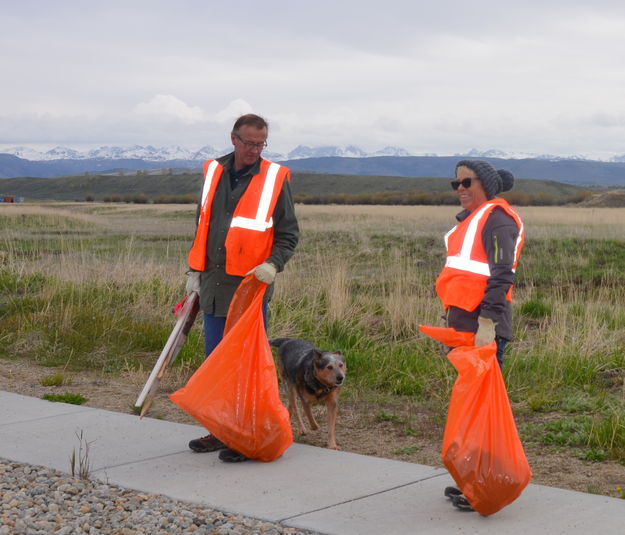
x,y
248,143
473,196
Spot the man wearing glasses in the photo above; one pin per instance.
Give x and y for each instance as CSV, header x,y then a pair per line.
x,y
246,223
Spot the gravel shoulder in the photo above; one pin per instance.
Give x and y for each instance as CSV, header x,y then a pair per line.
x,y
36,500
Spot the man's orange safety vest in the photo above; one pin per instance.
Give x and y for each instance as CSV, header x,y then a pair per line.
x,y
250,236
462,283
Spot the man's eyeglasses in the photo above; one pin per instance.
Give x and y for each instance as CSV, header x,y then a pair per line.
x,y
251,145
465,183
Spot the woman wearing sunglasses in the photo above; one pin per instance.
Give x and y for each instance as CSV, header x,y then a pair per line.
x,y
483,251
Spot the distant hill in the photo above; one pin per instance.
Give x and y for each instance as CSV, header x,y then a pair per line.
x,y
99,186
189,183
315,183
12,166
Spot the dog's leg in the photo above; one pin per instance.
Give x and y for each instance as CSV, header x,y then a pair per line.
x,y
291,392
311,418
332,409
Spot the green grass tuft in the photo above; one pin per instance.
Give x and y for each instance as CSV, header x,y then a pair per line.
x,y
536,309
384,416
74,399
408,450
594,455
56,379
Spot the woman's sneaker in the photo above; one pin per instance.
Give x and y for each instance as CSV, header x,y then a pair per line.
x,y
206,444
462,503
450,492
231,456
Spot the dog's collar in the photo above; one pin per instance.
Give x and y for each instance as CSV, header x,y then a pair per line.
x,y
319,390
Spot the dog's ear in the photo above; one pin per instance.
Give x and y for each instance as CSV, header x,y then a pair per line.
x,y
316,355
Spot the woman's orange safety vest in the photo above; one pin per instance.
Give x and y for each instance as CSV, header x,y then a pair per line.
x,y
250,237
462,283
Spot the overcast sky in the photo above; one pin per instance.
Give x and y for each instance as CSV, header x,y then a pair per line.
x,y
538,76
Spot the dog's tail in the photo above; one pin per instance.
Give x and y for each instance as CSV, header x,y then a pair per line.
x,y
277,342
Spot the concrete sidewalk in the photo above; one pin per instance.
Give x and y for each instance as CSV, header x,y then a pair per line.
x,y
325,491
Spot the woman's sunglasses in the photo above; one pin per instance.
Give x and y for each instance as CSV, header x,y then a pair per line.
x,y
465,183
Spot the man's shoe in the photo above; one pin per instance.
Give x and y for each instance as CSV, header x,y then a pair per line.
x,y
206,444
231,456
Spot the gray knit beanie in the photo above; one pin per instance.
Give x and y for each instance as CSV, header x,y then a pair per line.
x,y
493,181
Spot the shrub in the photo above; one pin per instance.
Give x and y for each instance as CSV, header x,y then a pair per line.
x,y
136,198
190,198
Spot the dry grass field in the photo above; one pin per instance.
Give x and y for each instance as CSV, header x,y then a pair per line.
x,y
86,291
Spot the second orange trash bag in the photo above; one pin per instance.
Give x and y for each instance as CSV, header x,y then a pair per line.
x,y
481,445
234,393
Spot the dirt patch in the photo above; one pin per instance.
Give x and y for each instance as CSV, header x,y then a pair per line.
x,y
392,428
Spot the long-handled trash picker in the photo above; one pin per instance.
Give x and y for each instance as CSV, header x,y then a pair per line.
x,y
174,344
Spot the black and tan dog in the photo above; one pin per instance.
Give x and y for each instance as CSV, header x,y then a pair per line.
x,y
316,376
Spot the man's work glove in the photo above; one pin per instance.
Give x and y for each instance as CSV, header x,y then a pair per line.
x,y
266,272
485,331
193,282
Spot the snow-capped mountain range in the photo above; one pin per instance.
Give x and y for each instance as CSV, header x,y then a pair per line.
x,y
139,152
174,152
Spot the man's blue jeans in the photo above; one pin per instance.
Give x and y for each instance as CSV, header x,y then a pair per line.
x,y
214,330
501,345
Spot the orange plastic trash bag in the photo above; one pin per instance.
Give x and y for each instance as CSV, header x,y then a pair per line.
x,y
481,446
449,337
234,393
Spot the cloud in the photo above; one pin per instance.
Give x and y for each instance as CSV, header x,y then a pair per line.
x,y
169,107
235,109
535,76
604,120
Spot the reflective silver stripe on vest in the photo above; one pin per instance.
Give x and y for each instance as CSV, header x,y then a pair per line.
x,y
447,237
516,245
208,179
466,264
463,260
260,223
